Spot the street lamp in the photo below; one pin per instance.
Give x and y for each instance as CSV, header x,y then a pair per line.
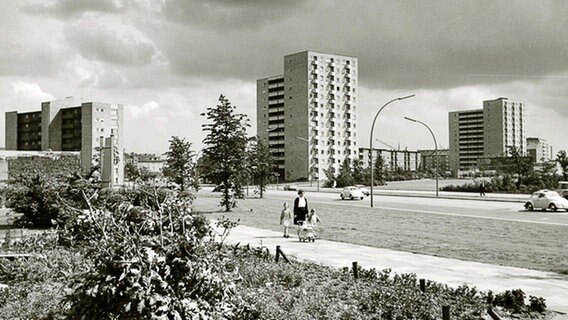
x,y
435,149
371,140
309,173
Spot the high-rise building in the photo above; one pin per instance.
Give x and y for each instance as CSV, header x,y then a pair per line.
x,y
539,150
489,132
64,125
308,115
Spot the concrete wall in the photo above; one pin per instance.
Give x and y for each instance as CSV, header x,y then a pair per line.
x,y
296,115
494,129
11,130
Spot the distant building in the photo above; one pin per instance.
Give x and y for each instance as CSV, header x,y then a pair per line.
x,y
64,125
428,160
403,160
308,115
485,133
539,150
152,162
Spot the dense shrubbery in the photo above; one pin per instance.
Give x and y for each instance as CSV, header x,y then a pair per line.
x,y
509,184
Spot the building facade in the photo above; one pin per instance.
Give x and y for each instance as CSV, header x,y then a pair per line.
x,y
393,160
539,150
64,125
485,133
428,160
308,115
151,162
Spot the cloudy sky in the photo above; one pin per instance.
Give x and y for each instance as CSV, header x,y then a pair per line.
x,y
168,60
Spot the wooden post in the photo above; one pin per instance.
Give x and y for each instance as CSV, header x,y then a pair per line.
x,y
423,285
355,270
279,253
446,312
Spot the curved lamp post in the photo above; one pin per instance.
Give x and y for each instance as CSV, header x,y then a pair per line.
x,y
435,149
371,140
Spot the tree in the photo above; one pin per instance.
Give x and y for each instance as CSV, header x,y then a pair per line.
x,y
345,175
359,172
261,163
562,160
226,150
518,165
131,172
179,164
379,170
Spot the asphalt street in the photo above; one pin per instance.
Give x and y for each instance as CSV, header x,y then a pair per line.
x,y
495,210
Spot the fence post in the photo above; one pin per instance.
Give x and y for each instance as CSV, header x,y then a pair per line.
x,y
446,312
423,285
277,253
355,270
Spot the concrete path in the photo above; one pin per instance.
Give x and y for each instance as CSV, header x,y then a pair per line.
x,y
551,286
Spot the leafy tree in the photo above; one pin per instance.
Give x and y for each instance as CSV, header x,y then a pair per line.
x,y
329,176
379,170
345,175
359,172
179,167
562,160
131,172
518,165
226,150
261,163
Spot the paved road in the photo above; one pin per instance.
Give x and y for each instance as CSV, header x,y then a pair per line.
x,y
494,210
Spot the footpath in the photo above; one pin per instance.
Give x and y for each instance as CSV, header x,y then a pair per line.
x,y
551,286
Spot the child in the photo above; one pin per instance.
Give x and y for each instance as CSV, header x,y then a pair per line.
x,y
286,219
313,218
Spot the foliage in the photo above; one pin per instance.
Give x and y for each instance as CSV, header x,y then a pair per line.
x,y
179,166
508,184
261,163
562,160
49,166
379,170
226,143
329,176
518,165
345,175
37,193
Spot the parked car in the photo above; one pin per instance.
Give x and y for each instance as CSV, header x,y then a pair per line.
x,y
363,189
351,193
546,199
563,188
291,187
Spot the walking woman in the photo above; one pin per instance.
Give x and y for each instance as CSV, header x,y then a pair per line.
x,y
300,207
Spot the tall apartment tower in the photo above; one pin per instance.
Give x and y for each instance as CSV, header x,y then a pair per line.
x,y
64,125
308,115
489,132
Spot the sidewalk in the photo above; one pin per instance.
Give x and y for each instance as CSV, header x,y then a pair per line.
x,y
551,286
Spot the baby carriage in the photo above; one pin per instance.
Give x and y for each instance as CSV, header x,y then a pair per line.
x,y
306,232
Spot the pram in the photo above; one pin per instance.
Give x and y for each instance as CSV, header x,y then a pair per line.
x,y
306,232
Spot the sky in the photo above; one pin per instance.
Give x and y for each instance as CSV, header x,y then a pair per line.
x,y
167,61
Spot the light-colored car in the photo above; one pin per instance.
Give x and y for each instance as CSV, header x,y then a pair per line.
x,y
546,199
351,193
291,187
363,189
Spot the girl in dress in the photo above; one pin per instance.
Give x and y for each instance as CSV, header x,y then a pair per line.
x,y
286,219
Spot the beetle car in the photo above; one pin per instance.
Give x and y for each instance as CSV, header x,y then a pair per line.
x,y
546,199
351,193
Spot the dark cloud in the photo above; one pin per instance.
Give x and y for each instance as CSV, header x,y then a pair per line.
x,y
226,15
103,44
400,44
67,8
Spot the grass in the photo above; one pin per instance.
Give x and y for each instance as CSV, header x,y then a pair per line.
x,y
517,244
